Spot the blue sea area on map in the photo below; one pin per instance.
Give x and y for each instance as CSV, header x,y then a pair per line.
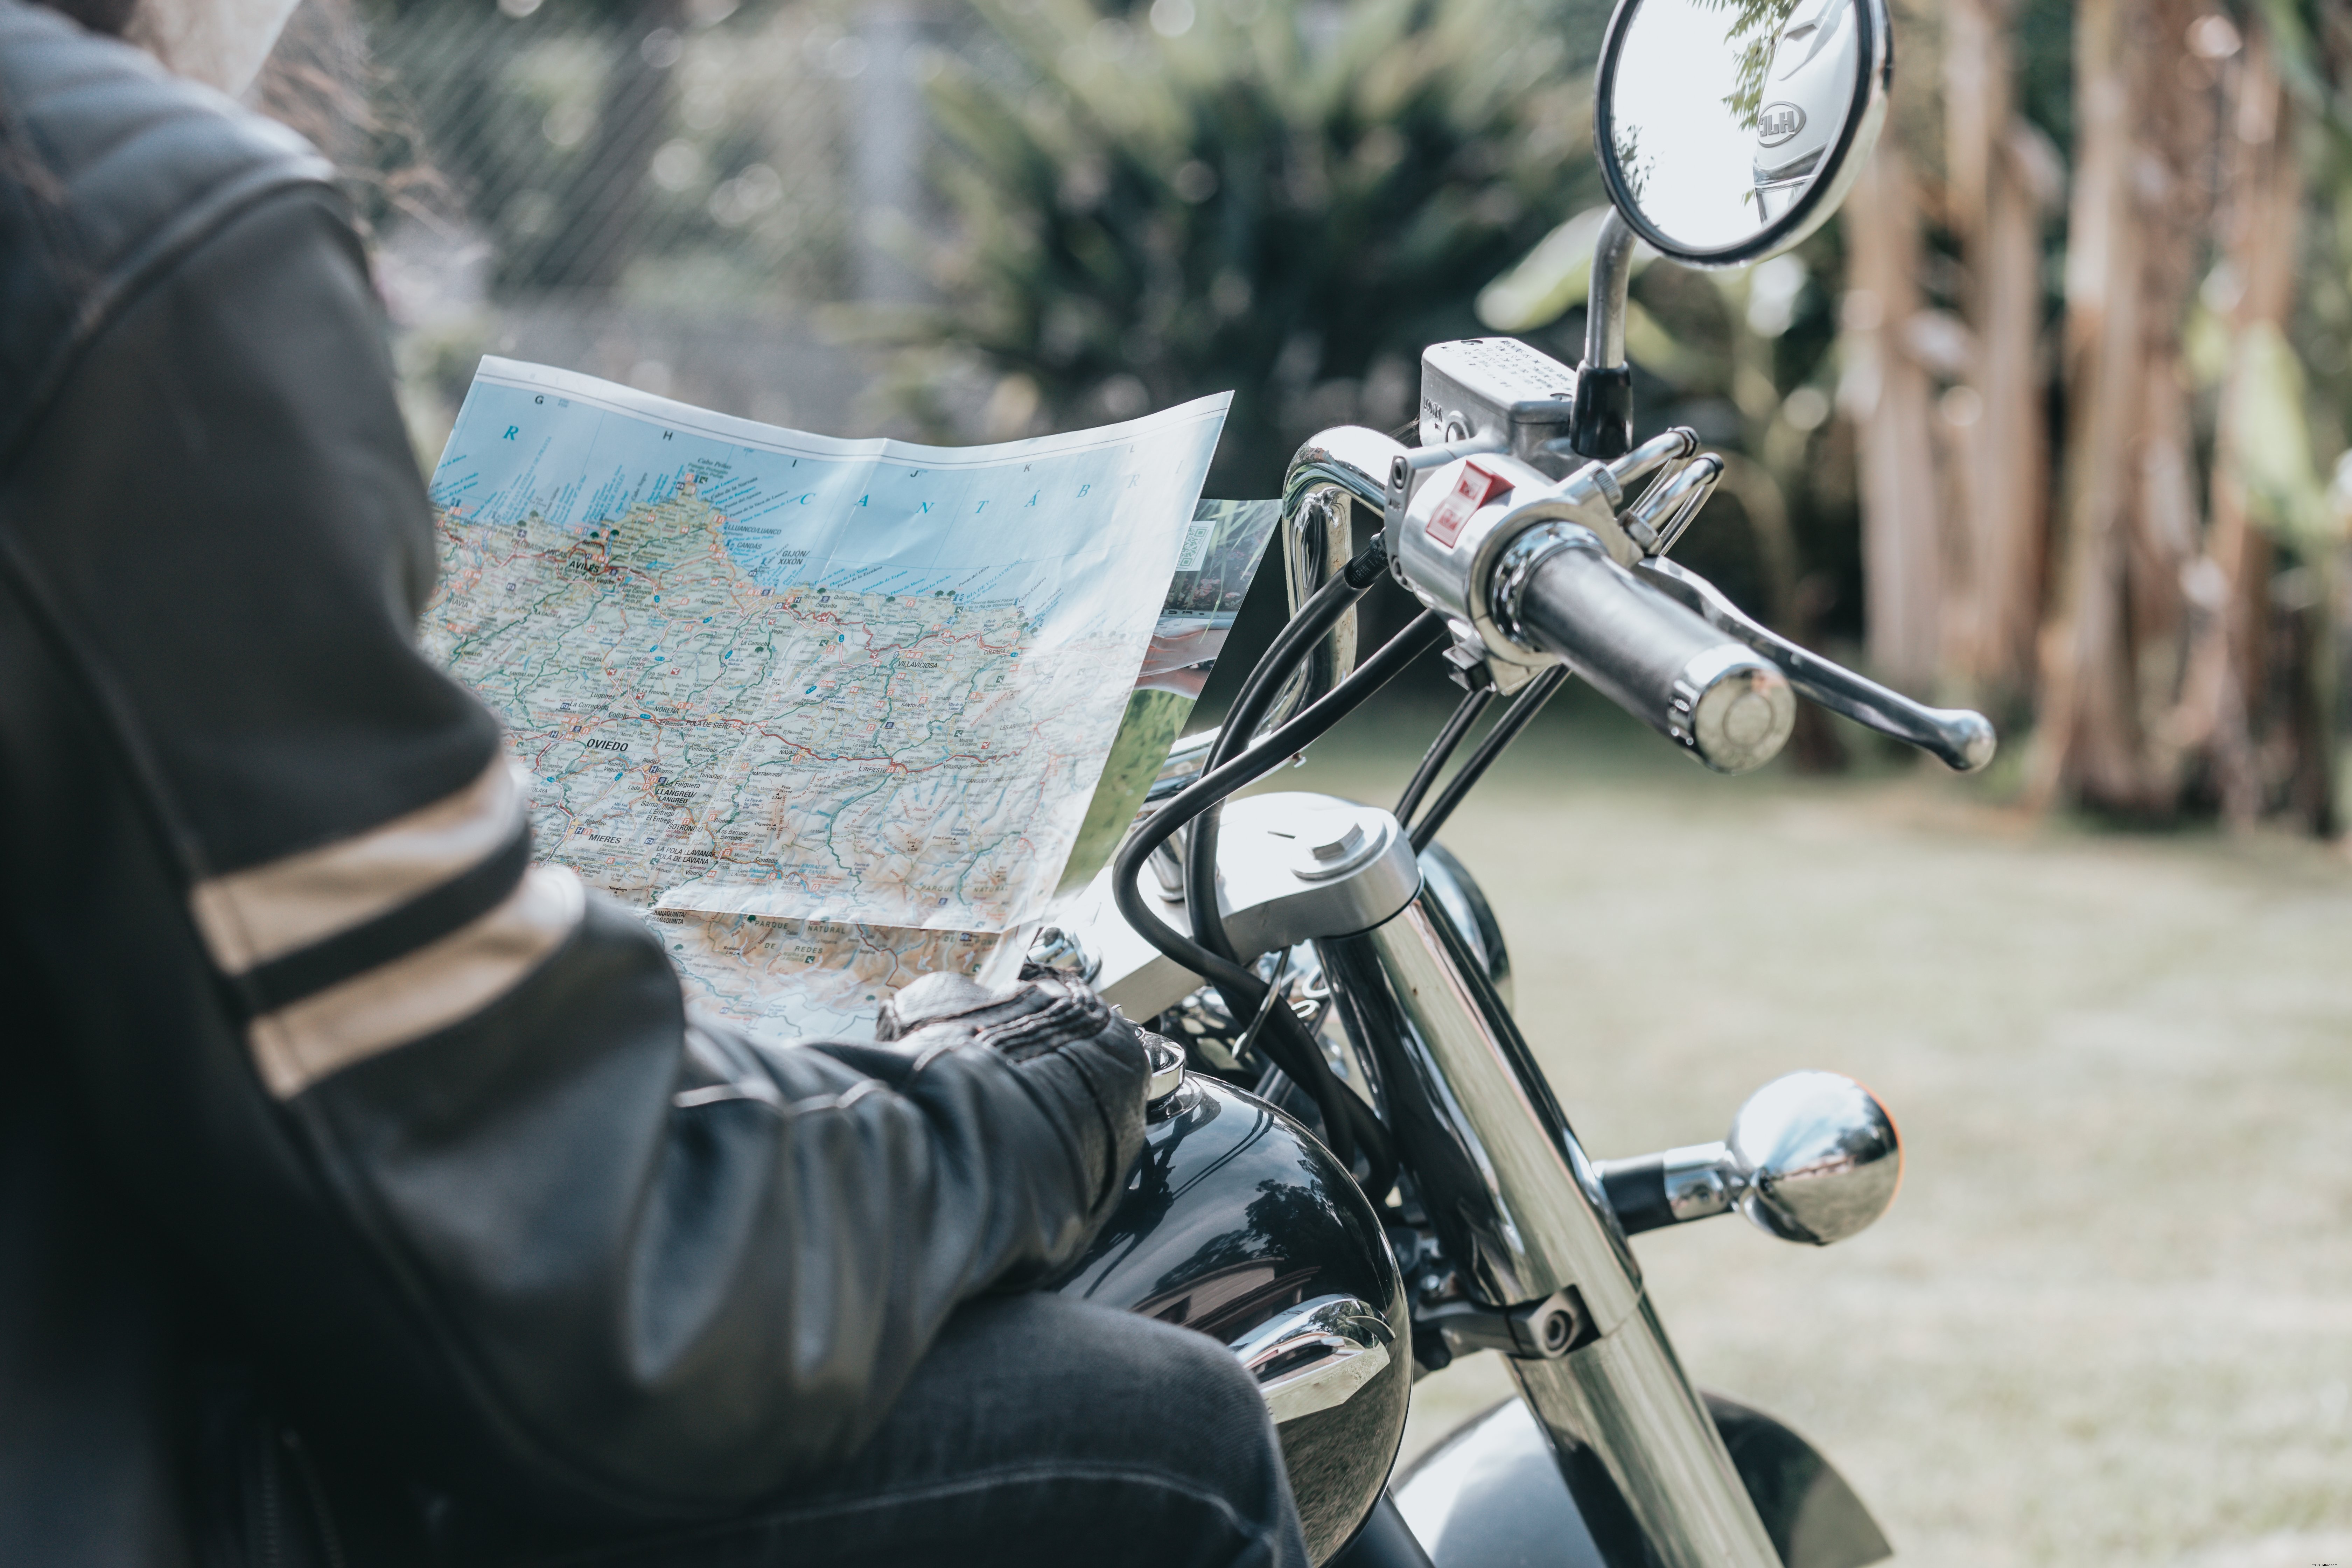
x,y
984,529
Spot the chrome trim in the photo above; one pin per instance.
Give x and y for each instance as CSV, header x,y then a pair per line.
x,y
1516,566
1453,570
1699,1182
1335,468
1464,902
1669,504
1660,451
1626,1400
1812,1157
1816,1156
1267,903
1515,1200
1670,533
1864,118
1277,895
1518,1209
1342,845
1057,947
1725,704
1187,760
1605,309
1166,1060
1349,455
1344,1344
1733,711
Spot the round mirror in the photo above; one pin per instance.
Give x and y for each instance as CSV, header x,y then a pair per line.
x,y
1728,130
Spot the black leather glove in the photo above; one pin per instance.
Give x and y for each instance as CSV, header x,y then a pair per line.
x,y
1071,1047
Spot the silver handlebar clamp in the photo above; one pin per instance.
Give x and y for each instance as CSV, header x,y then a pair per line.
x,y
1465,515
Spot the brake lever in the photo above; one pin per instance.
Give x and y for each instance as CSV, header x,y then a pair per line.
x,y
1962,740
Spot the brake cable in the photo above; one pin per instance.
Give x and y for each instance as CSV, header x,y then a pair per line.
x,y
1432,762
1515,718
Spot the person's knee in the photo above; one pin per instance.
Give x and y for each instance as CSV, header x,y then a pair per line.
x,y
1045,1430
1117,1383
1199,1389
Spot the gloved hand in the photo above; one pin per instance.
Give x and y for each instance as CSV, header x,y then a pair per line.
x,y
1062,1039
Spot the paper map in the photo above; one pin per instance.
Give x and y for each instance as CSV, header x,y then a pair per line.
x,y
838,707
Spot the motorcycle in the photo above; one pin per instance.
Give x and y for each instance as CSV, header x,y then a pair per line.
x,y
1356,1171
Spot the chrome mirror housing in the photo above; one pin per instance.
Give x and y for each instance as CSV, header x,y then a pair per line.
x,y
1725,134
1728,133
1812,1157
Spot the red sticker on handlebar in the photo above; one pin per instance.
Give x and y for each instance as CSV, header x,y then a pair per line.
x,y
1476,487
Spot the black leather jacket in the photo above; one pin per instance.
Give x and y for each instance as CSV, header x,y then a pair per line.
x,y
307,1068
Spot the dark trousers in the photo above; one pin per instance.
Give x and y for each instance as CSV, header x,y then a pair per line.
x,y
1038,1432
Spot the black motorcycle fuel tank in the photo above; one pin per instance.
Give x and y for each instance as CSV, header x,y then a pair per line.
x,y
1235,1218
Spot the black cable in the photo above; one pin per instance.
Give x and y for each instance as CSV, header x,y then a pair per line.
x,y
1507,729
1432,762
1272,991
1348,1122
1425,632
1292,647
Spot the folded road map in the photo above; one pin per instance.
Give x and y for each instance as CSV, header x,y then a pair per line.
x,y
831,714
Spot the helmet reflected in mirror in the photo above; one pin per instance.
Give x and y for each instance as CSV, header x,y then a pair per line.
x,y
1818,1157
1729,130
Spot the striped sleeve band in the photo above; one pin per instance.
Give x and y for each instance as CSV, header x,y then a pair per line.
x,y
355,947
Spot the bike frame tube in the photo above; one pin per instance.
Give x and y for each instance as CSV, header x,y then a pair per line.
x,y
1516,1205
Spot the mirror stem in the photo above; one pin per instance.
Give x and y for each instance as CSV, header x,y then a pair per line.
x,y
1602,422
1604,311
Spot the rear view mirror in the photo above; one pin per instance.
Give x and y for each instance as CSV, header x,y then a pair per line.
x,y
1729,130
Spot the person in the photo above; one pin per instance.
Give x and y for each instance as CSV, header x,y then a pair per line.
x,y
366,1192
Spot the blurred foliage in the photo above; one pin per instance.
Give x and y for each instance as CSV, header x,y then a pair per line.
x,y
1748,359
679,149
1282,199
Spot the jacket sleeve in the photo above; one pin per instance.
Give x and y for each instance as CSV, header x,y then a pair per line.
x,y
434,1120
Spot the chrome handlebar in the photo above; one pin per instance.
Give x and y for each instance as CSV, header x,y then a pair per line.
x,y
1961,738
1642,649
1334,471
1473,526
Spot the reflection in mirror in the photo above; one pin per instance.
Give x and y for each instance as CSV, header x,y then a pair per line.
x,y
1722,114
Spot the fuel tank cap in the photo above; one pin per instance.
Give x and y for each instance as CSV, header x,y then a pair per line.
x,y
1167,1075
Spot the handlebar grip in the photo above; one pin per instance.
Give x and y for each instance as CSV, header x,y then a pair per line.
x,y
1647,653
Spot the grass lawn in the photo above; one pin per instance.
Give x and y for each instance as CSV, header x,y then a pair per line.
x,y
2109,1319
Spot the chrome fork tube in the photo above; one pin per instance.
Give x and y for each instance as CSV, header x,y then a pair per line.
x,y
1516,1204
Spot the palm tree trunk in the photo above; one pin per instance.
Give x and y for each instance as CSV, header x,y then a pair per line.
x,y
2114,654
2260,220
2002,472
1890,398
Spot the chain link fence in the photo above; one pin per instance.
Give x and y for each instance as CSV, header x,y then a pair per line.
x,y
672,194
